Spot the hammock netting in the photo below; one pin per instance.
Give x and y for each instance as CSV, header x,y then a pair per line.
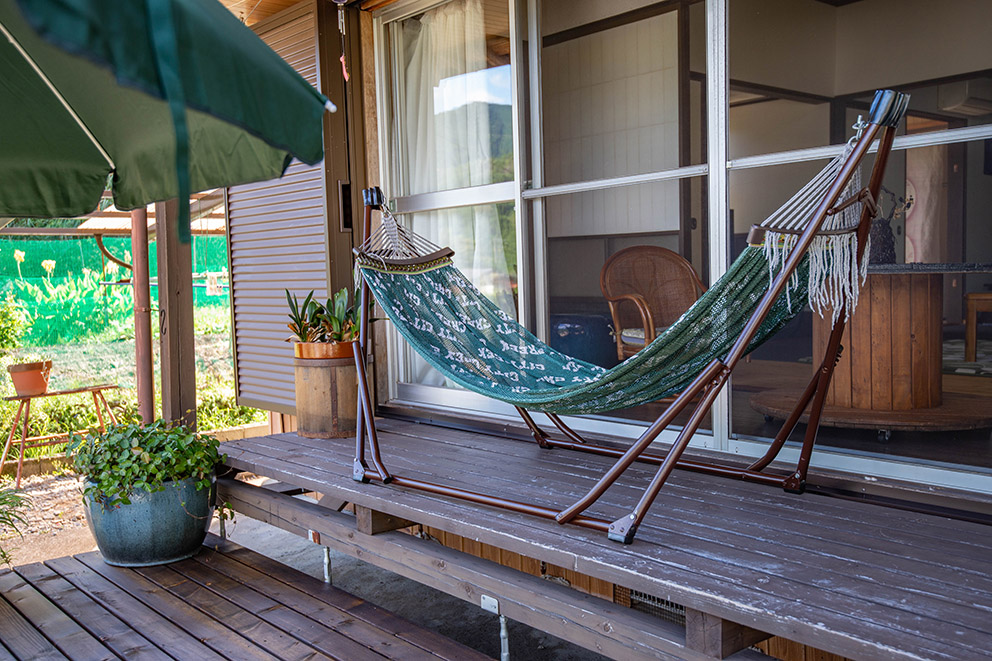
x,y
471,341
466,337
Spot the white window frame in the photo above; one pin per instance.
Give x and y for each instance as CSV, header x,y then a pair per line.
x,y
529,198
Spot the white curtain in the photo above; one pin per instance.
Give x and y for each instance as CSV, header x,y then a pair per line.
x,y
444,141
446,137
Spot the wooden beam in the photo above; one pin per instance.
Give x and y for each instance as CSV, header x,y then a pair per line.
x,y
373,522
175,302
717,637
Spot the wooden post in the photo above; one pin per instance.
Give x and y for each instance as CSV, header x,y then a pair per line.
x,y
143,359
716,637
175,300
373,522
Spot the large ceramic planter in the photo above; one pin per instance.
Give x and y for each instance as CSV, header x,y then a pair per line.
x,y
156,528
30,378
326,389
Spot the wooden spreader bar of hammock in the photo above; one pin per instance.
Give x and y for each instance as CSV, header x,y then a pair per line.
x,y
887,112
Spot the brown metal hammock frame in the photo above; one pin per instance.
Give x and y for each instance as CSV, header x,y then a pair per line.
x,y
886,113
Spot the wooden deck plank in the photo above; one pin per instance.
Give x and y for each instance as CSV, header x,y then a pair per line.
x,y
211,608
602,562
213,634
20,638
756,535
333,608
833,575
758,526
115,634
244,622
332,632
440,646
899,522
758,506
166,635
70,638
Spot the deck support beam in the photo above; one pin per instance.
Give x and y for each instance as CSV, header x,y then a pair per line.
x,y
373,522
717,637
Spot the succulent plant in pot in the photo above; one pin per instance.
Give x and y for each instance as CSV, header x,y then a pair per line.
x,y
326,379
148,490
322,330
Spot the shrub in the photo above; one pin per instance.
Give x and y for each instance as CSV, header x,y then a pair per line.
x,y
127,457
11,504
11,324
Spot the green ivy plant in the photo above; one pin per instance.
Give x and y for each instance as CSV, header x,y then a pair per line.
x,y
127,457
313,321
11,504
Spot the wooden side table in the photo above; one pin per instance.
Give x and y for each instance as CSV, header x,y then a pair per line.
x,y
99,403
975,302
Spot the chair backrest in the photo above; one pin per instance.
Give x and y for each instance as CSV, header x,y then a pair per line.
x,y
664,278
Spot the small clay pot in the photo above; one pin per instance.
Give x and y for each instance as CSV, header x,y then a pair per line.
x,y
30,378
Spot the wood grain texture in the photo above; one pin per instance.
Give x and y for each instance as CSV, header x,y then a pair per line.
x,y
226,603
745,553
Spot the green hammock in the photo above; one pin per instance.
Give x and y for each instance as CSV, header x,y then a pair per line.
x,y
466,337
471,341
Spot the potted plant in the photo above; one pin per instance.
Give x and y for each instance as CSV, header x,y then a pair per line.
x,y
148,490
326,379
30,377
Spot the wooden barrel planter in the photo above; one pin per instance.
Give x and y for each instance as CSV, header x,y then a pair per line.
x,y
326,389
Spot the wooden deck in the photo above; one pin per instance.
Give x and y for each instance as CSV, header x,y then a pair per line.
x,y
225,603
850,578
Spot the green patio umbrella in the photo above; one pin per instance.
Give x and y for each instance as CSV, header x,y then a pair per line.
x,y
169,97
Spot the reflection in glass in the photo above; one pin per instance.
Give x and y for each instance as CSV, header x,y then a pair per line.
x,y
819,65
580,245
905,384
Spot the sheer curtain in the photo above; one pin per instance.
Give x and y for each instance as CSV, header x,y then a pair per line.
x,y
444,142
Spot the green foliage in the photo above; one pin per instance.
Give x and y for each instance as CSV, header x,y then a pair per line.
x,y
11,504
12,322
127,457
313,321
212,320
216,407
76,307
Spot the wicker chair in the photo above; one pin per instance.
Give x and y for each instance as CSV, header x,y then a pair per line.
x,y
647,288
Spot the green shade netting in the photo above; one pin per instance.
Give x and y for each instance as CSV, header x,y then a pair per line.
x,y
470,340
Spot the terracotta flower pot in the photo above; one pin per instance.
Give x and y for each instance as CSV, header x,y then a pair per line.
x,y
323,350
30,378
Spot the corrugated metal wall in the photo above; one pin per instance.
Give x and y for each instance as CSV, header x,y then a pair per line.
x,y
278,239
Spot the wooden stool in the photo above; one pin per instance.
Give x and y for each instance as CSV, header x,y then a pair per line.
x,y
976,302
51,439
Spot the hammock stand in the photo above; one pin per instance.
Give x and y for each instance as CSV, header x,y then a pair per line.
x,y
886,113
